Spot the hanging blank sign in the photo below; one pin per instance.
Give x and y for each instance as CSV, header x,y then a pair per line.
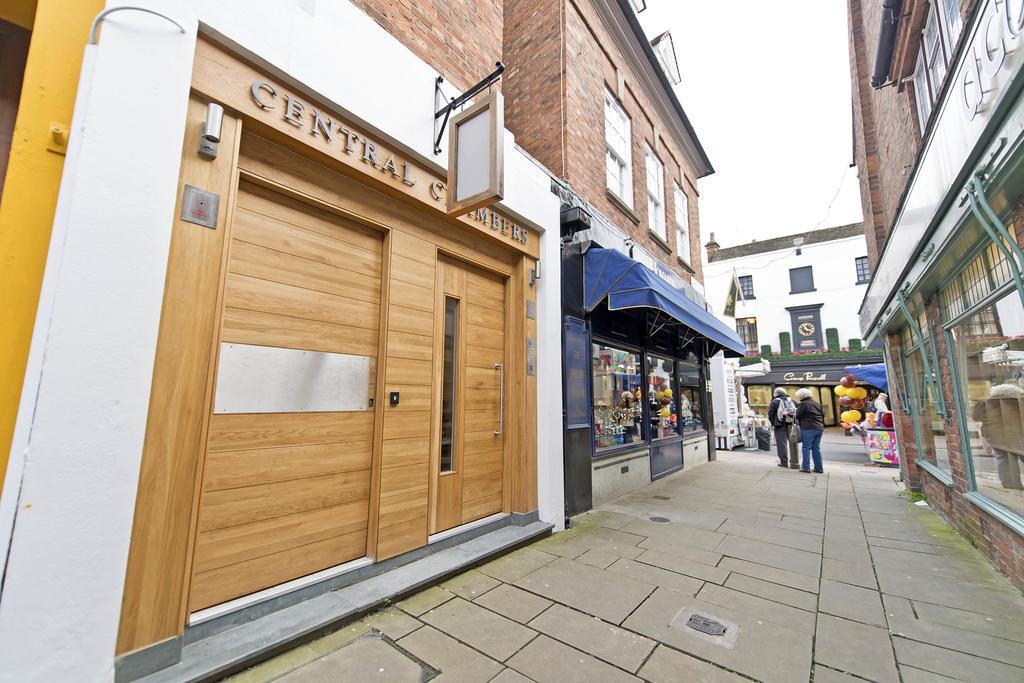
x,y
475,165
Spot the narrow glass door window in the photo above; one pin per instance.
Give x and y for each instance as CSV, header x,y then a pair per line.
x,y
448,381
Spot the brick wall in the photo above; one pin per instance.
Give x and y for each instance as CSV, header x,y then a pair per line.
x,y
557,115
462,39
533,83
886,136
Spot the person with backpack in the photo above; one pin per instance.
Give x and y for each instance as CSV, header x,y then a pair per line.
x,y
811,418
781,415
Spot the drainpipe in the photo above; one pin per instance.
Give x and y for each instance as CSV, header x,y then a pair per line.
x,y
886,42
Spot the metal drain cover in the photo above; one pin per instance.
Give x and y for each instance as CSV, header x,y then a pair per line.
x,y
660,520
662,497
706,625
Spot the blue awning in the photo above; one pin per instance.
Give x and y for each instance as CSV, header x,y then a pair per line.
x,y
873,373
625,283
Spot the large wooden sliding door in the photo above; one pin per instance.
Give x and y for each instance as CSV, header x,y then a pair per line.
x,y
286,494
470,412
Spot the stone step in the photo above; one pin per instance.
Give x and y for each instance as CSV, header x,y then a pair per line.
x,y
244,646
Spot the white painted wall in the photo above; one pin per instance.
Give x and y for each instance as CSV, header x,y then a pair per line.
x,y
78,440
835,282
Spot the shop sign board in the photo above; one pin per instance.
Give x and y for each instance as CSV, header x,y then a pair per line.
x,y
476,174
241,87
990,60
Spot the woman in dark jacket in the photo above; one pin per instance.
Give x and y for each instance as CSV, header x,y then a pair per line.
x,y
811,418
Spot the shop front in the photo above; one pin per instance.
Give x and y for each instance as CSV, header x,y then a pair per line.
x,y
636,383
948,297
817,376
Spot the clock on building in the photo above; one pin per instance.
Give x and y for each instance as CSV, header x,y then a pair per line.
x,y
806,329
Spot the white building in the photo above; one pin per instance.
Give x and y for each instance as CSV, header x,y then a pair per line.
x,y
802,284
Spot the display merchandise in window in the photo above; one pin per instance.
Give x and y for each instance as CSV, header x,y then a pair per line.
x,y
618,397
988,351
691,414
661,397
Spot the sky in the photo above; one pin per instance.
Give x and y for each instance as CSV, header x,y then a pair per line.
x,y
766,85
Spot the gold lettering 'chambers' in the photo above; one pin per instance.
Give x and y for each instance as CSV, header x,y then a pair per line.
x,y
295,112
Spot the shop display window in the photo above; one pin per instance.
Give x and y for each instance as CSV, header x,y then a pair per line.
x,y
759,397
662,393
988,352
691,409
618,397
930,427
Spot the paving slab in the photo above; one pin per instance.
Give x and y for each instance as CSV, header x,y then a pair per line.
x,y
923,548
771,574
469,585
547,661
598,558
979,623
392,622
759,608
494,635
851,602
514,603
773,591
517,564
912,675
847,552
668,666
674,533
855,648
624,649
954,664
273,669
668,546
366,659
825,675
681,565
656,576
763,650
848,572
965,568
785,537
790,559
454,660
605,518
600,593
961,639
913,583
510,676
425,600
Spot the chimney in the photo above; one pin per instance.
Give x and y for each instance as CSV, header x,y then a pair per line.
x,y
712,246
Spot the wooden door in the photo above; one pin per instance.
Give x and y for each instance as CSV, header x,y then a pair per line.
x,y
470,411
286,494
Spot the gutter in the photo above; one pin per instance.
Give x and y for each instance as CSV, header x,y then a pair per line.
x,y
626,7
886,42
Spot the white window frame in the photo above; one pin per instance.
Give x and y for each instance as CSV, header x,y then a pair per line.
x,y
682,203
655,193
953,23
619,160
937,38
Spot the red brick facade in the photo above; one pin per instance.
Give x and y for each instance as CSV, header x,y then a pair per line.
x,y
561,58
462,40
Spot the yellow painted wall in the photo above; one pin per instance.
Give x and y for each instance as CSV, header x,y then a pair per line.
x,y
60,29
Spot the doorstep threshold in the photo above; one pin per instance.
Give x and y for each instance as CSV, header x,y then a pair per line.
x,y
239,648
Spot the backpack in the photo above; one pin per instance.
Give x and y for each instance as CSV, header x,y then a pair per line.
x,y
787,411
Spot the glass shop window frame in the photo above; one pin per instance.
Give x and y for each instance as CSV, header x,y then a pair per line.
x,y
917,391
644,441
673,384
800,271
746,328
697,393
1010,517
746,284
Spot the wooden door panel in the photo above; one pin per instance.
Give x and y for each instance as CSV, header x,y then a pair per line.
x,y
287,494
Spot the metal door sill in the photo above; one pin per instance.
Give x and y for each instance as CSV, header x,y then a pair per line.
x,y
275,591
469,526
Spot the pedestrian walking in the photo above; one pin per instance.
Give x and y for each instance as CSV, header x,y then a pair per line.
x,y
811,419
781,415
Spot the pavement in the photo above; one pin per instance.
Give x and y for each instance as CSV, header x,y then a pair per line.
x,y
734,570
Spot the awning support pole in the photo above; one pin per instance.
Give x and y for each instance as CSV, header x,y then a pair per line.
x,y
996,231
929,377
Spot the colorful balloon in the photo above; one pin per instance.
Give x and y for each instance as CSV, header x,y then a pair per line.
x,y
845,401
840,390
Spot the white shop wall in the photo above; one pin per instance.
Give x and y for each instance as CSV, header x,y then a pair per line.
x,y
82,419
835,282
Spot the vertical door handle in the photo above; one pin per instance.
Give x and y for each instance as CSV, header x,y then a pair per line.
x,y
501,399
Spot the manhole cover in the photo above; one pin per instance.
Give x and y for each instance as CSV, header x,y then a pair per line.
x,y
707,625
660,520
662,497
